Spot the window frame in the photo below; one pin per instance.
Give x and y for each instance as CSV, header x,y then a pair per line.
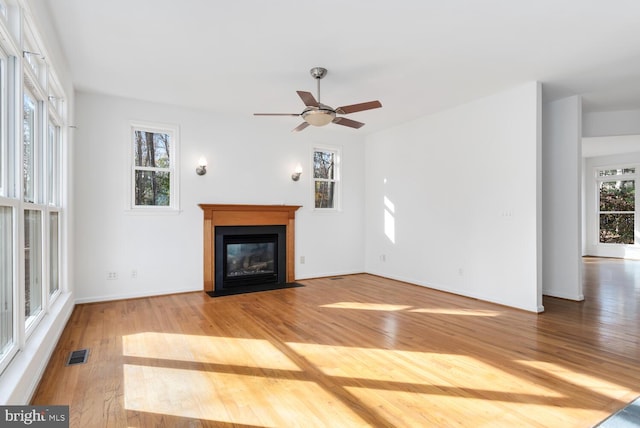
x,y
39,146
53,166
49,272
173,170
4,144
31,322
337,180
598,179
12,349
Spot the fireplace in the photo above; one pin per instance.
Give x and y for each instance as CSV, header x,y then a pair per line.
x,y
249,255
279,219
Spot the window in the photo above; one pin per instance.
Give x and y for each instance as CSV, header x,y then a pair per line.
x,y
6,280
29,129
53,163
32,264
32,174
3,141
326,178
154,175
54,257
617,205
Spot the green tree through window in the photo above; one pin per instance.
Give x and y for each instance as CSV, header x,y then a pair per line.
x,y
325,176
617,209
154,163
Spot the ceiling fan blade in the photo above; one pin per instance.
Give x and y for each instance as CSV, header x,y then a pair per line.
x,y
308,99
276,114
347,122
358,107
300,127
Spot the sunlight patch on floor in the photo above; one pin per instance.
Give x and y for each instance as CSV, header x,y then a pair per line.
x,y
206,349
583,380
467,312
433,370
235,399
366,306
413,409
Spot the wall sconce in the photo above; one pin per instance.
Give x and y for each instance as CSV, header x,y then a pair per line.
x,y
296,173
202,166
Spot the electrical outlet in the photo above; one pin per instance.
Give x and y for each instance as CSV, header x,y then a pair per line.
x,y
301,260
383,257
134,273
112,276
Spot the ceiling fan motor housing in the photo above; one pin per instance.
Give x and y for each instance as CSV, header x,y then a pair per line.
x,y
318,116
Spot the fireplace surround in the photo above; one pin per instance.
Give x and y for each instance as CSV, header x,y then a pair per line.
x,y
245,217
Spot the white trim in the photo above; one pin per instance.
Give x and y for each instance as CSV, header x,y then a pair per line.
x,y
4,135
124,296
448,289
13,349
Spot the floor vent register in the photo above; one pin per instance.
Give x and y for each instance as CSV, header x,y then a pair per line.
x,y
78,357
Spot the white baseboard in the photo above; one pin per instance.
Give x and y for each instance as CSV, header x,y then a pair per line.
x,y
561,295
439,287
107,298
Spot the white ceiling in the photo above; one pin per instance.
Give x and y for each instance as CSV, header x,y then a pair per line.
x,y
415,56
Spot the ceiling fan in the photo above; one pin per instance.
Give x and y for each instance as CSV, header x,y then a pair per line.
x,y
318,114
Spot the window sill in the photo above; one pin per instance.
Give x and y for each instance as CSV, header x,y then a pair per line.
x,y
326,211
153,211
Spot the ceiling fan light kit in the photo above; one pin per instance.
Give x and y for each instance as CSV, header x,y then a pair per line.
x,y
318,114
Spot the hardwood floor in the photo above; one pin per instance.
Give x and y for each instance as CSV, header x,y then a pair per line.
x,y
356,351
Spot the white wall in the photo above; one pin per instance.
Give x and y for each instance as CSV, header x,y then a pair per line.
x,y
561,204
460,191
607,123
250,162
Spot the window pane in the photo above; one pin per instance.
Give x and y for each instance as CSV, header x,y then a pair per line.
x,y
325,193
619,171
152,149
2,140
54,260
617,195
616,228
152,188
53,164
6,279
32,262
28,147
324,165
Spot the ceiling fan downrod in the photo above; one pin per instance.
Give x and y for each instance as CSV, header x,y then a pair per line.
x,y
318,73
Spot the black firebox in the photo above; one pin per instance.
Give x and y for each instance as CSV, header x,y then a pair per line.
x,y
249,256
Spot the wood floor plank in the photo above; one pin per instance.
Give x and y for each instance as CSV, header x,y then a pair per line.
x,y
357,351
